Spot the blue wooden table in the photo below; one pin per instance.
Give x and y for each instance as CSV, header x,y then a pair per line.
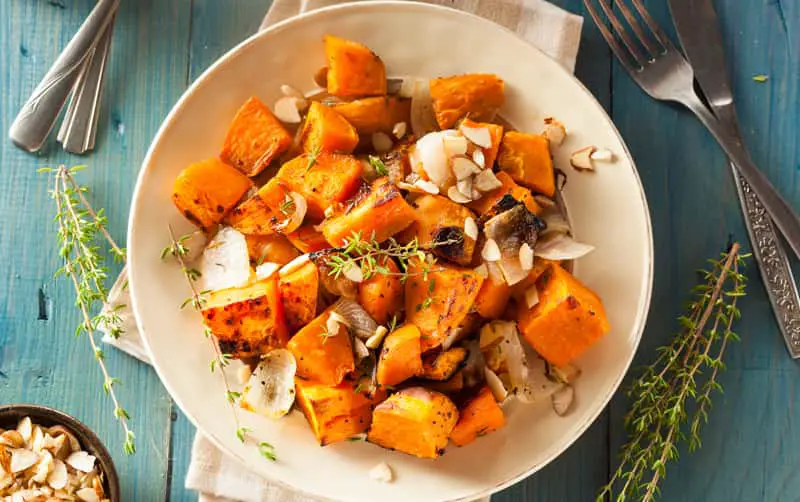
x,y
751,449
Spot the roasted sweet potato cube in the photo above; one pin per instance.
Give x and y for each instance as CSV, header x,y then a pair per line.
x,y
376,215
568,319
323,179
526,157
492,299
353,69
477,96
480,416
416,421
273,248
377,114
255,138
400,357
322,356
299,290
444,365
205,191
262,213
540,265
325,130
440,304
438,220
334,413
495,133
247,321
308,239
382,294
486,204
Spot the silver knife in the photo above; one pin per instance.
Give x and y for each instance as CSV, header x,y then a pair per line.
x,y
697,26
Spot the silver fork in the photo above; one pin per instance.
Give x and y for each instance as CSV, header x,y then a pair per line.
x,y
660,69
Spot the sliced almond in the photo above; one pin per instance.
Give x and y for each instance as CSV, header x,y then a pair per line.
x,y
353,272
332,326
486,181
25,428
375,340
43,468
531,296
602,155
294,265
427,187
22,459
291,92
465,187
554,131
582,159
482,270
287,110
266,270
525,256
495,273
454,145
478,135
360,350
491,251
57,479
566,373
58,430
456,196
6,480
495,385
471,228
463,167
339,318
53,444
382,472
12,439
399,130
562,400
87,495
81,461
479,158
381,142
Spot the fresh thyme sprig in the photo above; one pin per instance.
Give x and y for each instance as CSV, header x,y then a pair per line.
x,y
669,397
79,229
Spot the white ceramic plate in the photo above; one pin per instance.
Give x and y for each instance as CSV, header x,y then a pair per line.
x,y
607,207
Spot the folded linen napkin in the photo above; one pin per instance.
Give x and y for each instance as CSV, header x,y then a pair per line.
x,y
219,478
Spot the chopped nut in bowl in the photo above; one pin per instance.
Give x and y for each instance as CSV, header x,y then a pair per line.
x,y
48,455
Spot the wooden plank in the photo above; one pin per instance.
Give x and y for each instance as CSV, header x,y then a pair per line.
x,y
750,444
39,357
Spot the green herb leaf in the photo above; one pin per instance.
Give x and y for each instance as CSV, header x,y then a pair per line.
x,y
267,451
760,78
378,165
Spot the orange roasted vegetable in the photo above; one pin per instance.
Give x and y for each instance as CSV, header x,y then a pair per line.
x,y
270,248
308,239
378,114
255,138
205,191
323,179
480,416
444,365
540,265
492,299
495,133
568,319
353,69
400,357
526,157
247,321
439,305
485,204
416,421
299,289
265,212
322,356
477,96
382,295
452,386
438,220
376,216
334,413
325,130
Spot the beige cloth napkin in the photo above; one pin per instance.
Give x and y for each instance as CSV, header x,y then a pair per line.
x,y
218,478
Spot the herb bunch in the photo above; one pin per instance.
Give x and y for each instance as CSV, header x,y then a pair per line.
x,y
672,397
80,228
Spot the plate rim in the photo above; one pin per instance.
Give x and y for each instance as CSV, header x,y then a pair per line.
x,y
647,280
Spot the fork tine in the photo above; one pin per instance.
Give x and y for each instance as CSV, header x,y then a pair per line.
x,y
637,55
622,55
637,28
660,35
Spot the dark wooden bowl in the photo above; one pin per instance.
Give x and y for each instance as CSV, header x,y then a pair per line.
x,y
10,415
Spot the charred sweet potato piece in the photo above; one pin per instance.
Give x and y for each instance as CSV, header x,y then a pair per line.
x,y
247,321
308,239
416,421
495,133
477,96
438,220
353,69
485,204
255,138
377,216
568,319
205,191
334,413
526,157
263,213
323,179
440,304
444,365
492,299
480,416
382,295
377,114
322,356
400,357
270,248
325,130
299,290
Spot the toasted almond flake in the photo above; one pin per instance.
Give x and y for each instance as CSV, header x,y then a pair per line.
x,y
294,265
562,400
353,273
531,296
478,135
495,385
12,438
427,186
57,479
53,444
291,92
25,428
266,270
43,468
479,158
582,159
81,461
360,349
465,186
456,196
495,273
57,430
243,374
486,181
339,318
402,185
471,228
6,480
287,110
554,131
543,201
381,142
491,251
22,459
87,495
381,472
399,130
482,270
602,155
37,439
463,167
454,145
375,340
525,256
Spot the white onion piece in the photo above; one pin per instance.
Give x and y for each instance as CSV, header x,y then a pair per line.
x,y
399,130
353,272
422,118
495,385
561,247
478,135
555,221
266,270
291,92
405,88
532,296
294,221
474,365
491,334
430,154
294,264
376,339
562,400
359,320
270,389
537,386
225,263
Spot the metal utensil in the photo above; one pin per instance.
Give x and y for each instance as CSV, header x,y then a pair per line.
x,y
662,72
698,31
38,115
